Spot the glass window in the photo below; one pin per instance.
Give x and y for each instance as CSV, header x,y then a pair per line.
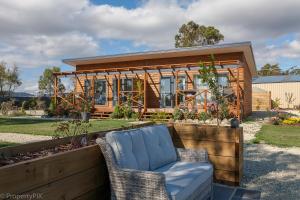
x,y
87,87
166,92
201,88
115,92
181,86
100,92
127,84
223,80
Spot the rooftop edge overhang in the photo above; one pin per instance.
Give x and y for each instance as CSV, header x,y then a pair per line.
x,y
244,47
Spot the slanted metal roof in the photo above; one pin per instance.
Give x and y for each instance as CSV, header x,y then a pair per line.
x,y
276,79
244,47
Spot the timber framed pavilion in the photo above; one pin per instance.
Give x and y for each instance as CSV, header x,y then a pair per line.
x,y
159,81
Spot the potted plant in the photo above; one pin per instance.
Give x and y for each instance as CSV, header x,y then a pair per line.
x,y
85,110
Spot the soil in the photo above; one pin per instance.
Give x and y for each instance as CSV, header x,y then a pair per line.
x,y
9,160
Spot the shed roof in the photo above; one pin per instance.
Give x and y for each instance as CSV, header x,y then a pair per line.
x,y
276,79
244,47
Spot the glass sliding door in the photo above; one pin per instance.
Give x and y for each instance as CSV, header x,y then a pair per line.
x,y
166,92
181,86
100,92
201,87
87,88
126,87
115,91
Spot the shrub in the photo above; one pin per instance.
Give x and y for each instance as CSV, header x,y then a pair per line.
x,y
203,116
6,107
284,116
223,111
73,129
275,121
178,114
291,121
51,110
127,112
159,116
117,113
135,116
190,115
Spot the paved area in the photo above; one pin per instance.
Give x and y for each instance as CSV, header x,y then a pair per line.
x,y
22,138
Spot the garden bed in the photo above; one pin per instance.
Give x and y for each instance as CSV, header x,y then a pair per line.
x,y
223,144
53,170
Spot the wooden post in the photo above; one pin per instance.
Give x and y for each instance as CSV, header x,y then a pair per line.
x,y
238,94
119,89
55,90
176,89
205,101
145,90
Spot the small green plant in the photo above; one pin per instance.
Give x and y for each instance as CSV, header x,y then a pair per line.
x,y
203,116
135,116
224,111
6,107
127,111
86,105
283,116
159,116
275,121
73,129
117,113
190,115
52,107
178,114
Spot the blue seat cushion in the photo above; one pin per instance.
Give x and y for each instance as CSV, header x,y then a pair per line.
x,y
186,178
129,149
159,146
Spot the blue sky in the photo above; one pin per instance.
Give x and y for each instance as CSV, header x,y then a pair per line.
x,y
38,34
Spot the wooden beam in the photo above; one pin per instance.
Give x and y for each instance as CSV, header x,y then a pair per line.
x,y
119,89
145,91
82,88
55,90
176,86
238,94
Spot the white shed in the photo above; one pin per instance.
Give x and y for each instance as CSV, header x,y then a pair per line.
x,y
281,87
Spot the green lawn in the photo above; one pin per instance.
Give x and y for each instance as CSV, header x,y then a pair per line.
x,y
47,127
283,136
6,144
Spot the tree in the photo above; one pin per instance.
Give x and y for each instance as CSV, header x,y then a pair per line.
x,y
192,34
295,70
46,81
269,70
209,76
9,79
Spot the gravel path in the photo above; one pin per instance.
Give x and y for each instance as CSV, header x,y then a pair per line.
x,y
22,138
274,171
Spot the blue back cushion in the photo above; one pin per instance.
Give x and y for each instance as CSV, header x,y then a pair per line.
x,y
129,149
159,145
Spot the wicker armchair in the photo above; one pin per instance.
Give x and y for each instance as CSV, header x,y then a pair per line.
x,y
142,185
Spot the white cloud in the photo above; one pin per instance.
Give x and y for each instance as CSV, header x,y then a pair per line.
x,y
41,50
38,33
